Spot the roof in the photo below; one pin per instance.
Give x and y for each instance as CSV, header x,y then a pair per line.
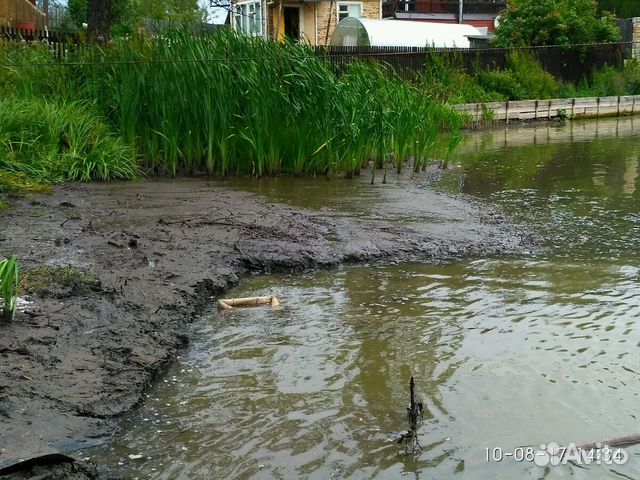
x,y
364,32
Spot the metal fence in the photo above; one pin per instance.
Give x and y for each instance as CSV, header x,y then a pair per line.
x,y
566,63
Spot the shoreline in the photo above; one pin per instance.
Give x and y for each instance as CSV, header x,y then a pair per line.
x,y
157,253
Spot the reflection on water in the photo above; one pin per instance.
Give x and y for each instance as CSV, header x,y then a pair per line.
x,y
506,352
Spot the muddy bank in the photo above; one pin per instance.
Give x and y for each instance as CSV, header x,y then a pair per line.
x,y
154,254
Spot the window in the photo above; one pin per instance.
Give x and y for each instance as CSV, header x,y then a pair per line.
x,y
349,9
248,18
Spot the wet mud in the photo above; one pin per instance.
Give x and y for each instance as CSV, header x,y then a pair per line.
x,y
158,252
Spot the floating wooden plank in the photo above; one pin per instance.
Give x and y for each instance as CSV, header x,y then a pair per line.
x,y
229,303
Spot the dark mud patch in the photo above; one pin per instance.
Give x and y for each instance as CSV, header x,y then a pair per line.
x,y
124,267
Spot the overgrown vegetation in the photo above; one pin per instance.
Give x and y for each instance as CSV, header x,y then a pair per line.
x,y
9,279
226,104
554,22
221,104
445,79
56,140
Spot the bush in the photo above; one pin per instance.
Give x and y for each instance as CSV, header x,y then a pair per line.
x,y
445,80
535,81
503,83
524,79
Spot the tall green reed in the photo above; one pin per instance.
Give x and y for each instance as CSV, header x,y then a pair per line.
x,y
9,279
222,104
229,104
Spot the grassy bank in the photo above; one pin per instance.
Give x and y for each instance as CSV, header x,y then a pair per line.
x,y
522,79
218,104
229,105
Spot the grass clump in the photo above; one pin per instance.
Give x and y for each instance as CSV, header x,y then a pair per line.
x,y
524,78
445,80
38,281
9,280
612,81
47,140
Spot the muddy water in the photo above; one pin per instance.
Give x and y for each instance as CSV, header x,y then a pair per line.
x,y
506,352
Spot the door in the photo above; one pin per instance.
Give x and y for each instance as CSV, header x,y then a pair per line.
x,y
292,23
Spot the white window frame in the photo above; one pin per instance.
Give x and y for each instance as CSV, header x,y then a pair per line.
x,y
339,4
241,15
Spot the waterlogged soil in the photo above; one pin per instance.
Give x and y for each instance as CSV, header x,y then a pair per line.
x,y
156,253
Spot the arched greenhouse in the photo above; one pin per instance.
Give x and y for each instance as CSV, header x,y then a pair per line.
x,y
362,32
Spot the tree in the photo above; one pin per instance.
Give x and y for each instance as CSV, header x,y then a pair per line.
x,y
78,12
620,8
554,22
99,19
122,17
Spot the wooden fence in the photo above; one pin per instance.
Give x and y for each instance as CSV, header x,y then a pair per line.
x,y
590,107
21,13
58,43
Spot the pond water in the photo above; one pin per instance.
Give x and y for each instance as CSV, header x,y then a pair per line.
x,y
506,352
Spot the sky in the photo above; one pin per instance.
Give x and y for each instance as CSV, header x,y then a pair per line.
x,y
214,14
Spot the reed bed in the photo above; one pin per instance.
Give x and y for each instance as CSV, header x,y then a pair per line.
x,y
232,105
229,104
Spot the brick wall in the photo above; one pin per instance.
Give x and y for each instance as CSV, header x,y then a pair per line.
x,y
635,37
328,17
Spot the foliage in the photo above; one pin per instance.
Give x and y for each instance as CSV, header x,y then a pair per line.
x,y
611,81
53,140
9,278
534,80
446,81
620,8
267,108
43,78
78,12
554,22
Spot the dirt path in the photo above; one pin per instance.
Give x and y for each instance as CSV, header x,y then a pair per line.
x,y
155,252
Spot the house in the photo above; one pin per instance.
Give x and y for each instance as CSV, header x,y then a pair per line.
x,y
309,21
21,14
481,14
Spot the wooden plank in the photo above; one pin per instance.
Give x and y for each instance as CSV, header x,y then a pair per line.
x,y
495,105
527,115
580,102
561,103
608,110
525,105
609,104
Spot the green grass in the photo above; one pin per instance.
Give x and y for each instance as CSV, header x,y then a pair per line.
x,y
45,140
9,279
37,281
268,108
224,104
